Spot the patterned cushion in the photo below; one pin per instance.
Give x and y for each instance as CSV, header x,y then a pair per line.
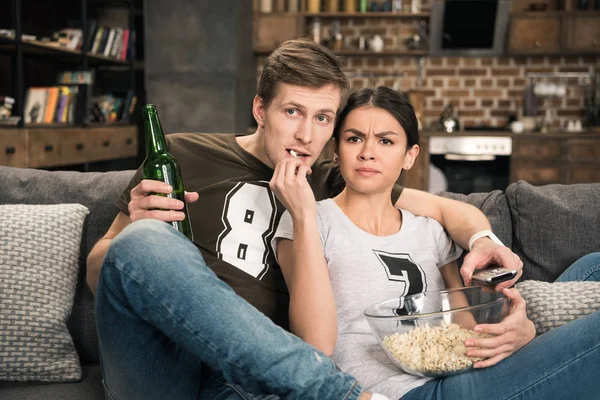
x,y
550,305
39,249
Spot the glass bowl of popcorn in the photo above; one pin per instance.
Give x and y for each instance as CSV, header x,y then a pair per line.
x,y
424,334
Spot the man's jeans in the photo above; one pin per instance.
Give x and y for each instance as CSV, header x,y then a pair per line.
x,y
170,329
547,368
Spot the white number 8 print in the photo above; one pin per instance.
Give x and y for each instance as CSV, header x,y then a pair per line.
x,y
249,223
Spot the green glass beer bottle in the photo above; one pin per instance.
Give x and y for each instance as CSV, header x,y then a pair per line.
x,y
160,165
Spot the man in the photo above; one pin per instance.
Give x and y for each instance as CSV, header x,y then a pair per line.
x,y
170,327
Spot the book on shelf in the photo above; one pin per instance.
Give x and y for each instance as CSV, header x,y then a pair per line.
x,y
6,105
14,120
70,38
10,34
110,41
113,107
75,78
84,81
49,105
35,105
92,27
64,104
113,42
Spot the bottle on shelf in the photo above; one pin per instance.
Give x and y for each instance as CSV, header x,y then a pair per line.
x,y
332,6
160,165
293,5
316,31
415,6
364,6
314,6
397,6
266,6
279,5
350,6
337,36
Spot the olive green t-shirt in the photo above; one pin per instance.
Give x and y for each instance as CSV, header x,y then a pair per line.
x,y
237,214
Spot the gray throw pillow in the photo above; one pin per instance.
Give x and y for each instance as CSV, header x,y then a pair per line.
x,y
550,305
553,226
39,249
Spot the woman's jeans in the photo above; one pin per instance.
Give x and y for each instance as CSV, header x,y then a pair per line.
x,y
587,268
170,329
560,364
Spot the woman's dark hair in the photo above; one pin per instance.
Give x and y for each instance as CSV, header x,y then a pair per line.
x,y
397,104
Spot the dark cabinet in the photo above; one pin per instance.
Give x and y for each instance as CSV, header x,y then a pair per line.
x,y
562,159
270,30
13,148
51,147
44,148
535,33
554,32
583,33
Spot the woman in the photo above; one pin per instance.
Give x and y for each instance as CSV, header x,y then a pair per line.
x,y
357,249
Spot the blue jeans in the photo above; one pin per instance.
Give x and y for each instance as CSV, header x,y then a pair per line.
x,y
560,364
169,328
587,268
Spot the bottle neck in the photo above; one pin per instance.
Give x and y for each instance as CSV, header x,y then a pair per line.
x,y
155,139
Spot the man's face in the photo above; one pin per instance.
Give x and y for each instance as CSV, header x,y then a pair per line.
x,y
299,119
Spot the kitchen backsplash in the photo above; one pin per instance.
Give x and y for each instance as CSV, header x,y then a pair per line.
x,y
484,90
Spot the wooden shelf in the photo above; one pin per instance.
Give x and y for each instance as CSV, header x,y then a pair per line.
x,y
73,126
353,14
41,125
587,13
555,134
42,48
392,53
367,15
45,146
363,53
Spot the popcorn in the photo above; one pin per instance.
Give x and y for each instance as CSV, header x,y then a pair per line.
x,y
294,154
432,350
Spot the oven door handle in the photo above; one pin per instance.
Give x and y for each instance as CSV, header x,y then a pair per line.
x,y
469,157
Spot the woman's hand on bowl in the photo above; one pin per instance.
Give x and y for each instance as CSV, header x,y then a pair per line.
x,y
514,332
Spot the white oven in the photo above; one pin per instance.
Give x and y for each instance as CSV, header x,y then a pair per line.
x,y
469,164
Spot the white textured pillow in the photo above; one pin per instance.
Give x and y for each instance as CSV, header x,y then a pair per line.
x,y
39,251
550,305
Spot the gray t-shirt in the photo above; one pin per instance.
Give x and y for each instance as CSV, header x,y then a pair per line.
x,y
365,269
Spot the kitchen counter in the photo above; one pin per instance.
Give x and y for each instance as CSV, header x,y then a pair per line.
x,y
538,158
553,134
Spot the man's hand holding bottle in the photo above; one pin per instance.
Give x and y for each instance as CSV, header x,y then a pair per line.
x,y
145,203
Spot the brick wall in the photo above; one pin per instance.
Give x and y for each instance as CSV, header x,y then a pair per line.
x,y
484,90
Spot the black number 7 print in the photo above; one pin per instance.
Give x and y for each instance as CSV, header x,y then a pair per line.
x,y
401,268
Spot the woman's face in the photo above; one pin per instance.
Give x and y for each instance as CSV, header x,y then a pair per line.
x,y
372,150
